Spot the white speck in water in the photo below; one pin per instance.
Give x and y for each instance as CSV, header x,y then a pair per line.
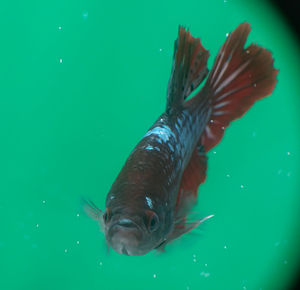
x,y
44,201
277,244
100,264
194,255
227,34
228,175
77,215
160,49
59,27
187,287
225,247
288,153
205,274
60,60
244,288
205,265
66,250
242,186
85,15
154,276
37,225
77,242
194,260
214,152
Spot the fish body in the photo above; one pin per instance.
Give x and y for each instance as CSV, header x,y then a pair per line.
x,y
149,202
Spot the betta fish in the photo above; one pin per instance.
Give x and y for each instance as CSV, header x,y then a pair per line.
x,y
149,203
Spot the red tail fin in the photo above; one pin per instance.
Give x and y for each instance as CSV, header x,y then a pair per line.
x,y
239,77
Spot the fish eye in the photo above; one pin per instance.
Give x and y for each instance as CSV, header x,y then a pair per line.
x,y
152,221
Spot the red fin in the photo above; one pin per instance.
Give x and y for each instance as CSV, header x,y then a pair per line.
x,y
189,67
239,77
193,176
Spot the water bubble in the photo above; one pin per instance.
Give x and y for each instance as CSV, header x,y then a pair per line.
x,y
37,225
205,274
77,242
44,201
225,247
85,15
77,215
154,276
242,186
277,244
59,27
60,60
66,250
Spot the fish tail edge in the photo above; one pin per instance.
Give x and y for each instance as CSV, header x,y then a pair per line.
x,y
239,77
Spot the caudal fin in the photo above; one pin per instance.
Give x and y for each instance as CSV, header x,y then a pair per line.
x,y
239,77
188,69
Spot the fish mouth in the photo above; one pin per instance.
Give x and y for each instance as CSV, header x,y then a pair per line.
x,y
125,237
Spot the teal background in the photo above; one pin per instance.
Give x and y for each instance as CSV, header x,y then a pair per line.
x,y
80,83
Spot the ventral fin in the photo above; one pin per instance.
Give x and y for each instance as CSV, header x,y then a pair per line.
x,y
184,226
188,69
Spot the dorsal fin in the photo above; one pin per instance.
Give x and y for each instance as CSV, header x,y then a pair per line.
x,y
188,69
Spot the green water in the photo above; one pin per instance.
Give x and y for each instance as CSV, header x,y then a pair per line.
x,y
81,82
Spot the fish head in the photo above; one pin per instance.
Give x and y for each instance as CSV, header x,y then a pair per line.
x,y
132,233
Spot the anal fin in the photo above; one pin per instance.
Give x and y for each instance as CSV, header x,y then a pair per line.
x,y
193,176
